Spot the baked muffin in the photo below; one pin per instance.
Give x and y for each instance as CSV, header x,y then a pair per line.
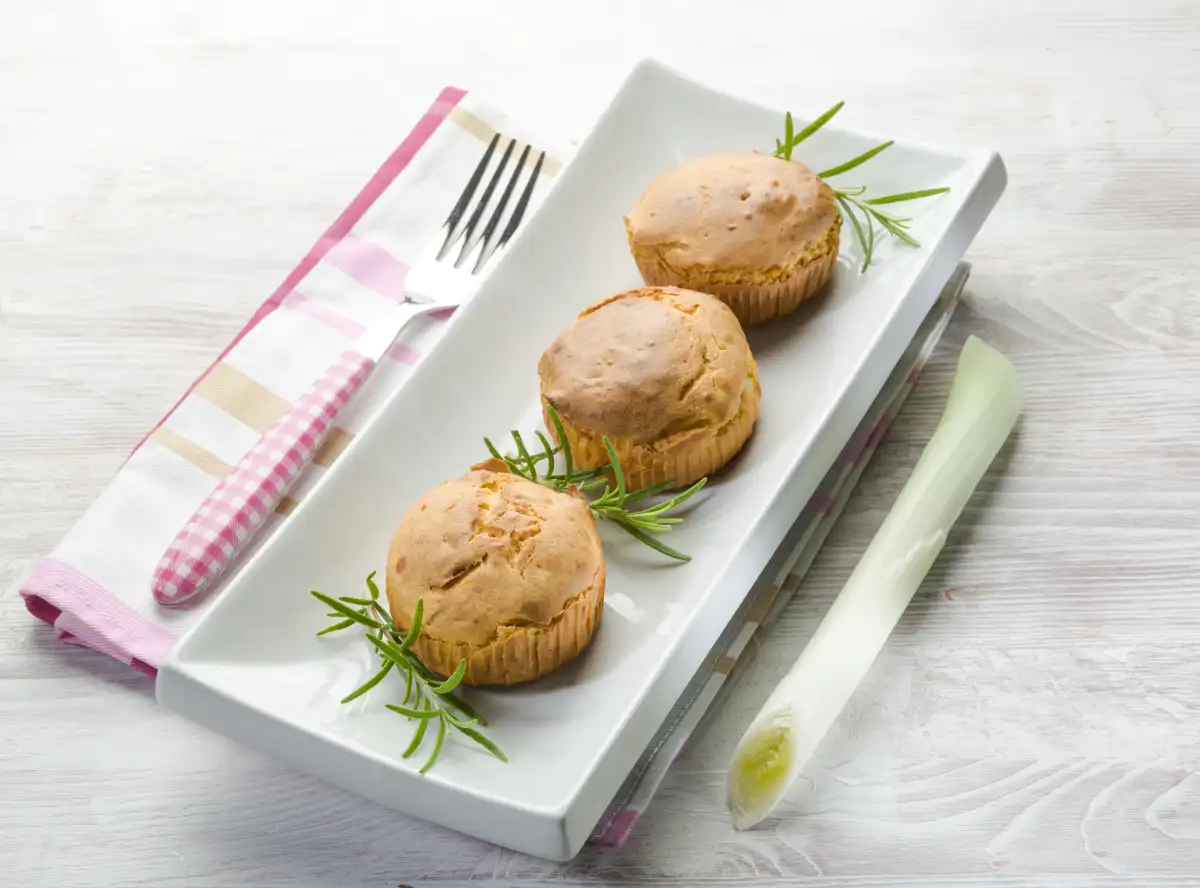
x,y
756,231
511,574
666,374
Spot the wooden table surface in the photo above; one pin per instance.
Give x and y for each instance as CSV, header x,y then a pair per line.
x,y
1035,720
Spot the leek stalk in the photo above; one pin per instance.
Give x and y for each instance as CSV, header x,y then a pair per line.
x,y
981,410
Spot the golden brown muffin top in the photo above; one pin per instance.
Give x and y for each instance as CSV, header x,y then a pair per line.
x,y
736,209
647,364
491,550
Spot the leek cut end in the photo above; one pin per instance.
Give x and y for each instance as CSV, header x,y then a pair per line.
x,y
760,773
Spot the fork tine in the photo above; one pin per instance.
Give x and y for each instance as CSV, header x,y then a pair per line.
x,y
470,240
465,198
519,210
485,251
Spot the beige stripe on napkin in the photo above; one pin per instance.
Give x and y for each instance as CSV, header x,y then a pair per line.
x,y
210,463
205,460
724,665
331,448
484,131
243,398
761,604
251,403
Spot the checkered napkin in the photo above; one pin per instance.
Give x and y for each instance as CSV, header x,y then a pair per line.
x,y
94,588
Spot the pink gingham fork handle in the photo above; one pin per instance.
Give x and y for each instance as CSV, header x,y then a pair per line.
x,y
232,514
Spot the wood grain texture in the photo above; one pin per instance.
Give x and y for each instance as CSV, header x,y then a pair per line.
x,y
1034,721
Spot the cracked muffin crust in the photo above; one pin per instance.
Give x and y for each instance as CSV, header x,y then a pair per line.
x,y
665,373
511,574
758,232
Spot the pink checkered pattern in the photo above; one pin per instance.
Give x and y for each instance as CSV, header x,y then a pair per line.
x,y
231,515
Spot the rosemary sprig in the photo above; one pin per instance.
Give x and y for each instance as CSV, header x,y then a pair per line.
x,y
427,697
612,504
862,212
784,149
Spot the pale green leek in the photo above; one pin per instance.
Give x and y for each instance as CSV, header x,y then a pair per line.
x,y
980,412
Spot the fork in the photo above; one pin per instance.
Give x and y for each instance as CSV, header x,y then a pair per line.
x,y
231,515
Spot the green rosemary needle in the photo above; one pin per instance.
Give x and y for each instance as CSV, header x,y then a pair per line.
x,y
863,213
427,697
612,504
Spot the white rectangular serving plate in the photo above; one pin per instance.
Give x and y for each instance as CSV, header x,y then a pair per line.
x,y
253,668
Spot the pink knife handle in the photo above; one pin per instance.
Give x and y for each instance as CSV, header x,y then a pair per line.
x,y
234,512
